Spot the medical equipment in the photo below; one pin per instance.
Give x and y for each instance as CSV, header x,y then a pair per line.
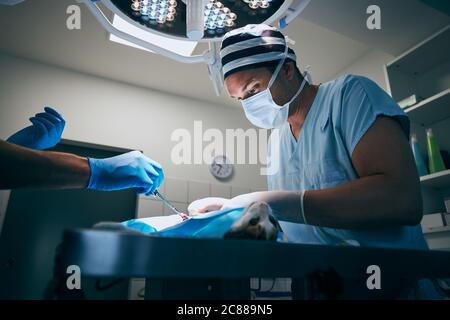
x,y
202,21
221,269
193,20
167,203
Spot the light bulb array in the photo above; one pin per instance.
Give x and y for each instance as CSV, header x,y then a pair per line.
x,y
160,11
256,4
217,17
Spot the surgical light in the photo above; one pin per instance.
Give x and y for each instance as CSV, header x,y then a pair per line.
x,y
200,21
195,21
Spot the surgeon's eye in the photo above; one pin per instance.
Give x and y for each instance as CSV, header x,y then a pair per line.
x,y
252,91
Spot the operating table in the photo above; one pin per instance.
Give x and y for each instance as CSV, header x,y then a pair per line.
x,y
187,268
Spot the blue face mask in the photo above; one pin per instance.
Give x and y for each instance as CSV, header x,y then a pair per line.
x,y
262,111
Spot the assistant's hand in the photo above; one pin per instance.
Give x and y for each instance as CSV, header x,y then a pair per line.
x,y
285,205
207,205
241,201
129,170
45,131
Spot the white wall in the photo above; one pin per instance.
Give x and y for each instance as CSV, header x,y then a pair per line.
x,y
370,65
116,114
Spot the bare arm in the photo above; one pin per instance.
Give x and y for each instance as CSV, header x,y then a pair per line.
x,y
22,167
386,194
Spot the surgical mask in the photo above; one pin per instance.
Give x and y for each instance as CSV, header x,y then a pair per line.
x,y
262,111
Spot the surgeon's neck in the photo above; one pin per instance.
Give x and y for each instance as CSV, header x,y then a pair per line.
x,y
302,106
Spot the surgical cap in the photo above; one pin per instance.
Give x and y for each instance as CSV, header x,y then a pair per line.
x,y
251,47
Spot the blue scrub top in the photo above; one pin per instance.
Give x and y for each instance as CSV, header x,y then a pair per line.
x,y
342,112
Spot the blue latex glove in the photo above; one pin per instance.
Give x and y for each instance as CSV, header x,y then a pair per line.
x,y
45,131
129,170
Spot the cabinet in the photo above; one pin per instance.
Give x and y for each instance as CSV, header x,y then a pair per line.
x,y
424,71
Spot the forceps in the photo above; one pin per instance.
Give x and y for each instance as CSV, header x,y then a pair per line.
x,y
167,203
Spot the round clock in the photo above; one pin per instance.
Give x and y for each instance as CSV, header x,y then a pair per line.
x,y
221,167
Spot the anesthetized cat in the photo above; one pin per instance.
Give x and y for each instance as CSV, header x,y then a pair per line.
x,y
257,222
253,222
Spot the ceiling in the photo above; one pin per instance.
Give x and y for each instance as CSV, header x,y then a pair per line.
x,y
329,36
404,23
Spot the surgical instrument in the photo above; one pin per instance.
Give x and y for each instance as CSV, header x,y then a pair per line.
x,y
167,202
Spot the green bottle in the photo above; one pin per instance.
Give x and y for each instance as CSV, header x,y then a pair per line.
x,y
436,163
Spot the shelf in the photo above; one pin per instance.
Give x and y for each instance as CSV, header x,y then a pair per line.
x,y
431,110
436,230
425,56
438,180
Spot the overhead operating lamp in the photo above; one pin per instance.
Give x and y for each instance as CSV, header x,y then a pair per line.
x,y
203,21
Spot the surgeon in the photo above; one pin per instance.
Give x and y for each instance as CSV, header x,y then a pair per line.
x,y
24,164
342,171
346,174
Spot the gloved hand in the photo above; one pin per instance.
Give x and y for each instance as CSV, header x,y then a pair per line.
x,y
285,205
207,205
126,171
45,131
